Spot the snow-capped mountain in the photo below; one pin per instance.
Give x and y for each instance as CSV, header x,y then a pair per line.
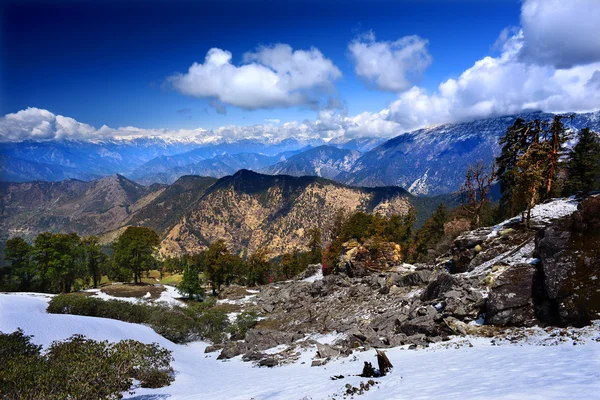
x,y
434,160
323,161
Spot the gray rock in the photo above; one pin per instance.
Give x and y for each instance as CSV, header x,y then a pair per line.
x,y
268,362
510,301
569,250
232,349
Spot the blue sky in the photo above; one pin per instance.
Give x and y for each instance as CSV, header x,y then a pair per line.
x,y
321,68
105,63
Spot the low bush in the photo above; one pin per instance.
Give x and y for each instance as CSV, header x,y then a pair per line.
x,y
244,322
79,368
178,324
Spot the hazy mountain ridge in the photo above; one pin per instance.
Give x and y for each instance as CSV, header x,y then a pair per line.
x,y
323,161
427,161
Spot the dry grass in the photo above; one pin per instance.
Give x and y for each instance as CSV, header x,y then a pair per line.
x,y
132,290
233,292
227,307
268,324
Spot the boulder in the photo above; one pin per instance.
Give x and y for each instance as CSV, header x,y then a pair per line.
x,y
438,287
510,302
232,349
262,339
569,250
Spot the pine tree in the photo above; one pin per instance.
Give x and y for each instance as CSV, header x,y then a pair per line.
x,y
190,284
134,250
94,259
583,166
18,254
513,144
555,139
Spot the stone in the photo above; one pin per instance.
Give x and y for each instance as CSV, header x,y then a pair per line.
x,y
510,302
268,362
319,362
442,284
569,252
232,349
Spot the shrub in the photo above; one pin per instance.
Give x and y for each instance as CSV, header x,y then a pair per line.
x,y
244,322
178,324
79,368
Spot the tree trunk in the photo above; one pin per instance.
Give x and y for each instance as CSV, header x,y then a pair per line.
x,y
385,365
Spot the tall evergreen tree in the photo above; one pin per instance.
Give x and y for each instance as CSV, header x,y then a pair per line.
x,y
134,251
190,284
94,259
59,260
218,262
583,166
555,139
514,144
18,254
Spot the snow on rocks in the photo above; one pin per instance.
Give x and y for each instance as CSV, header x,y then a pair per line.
x,y
540,365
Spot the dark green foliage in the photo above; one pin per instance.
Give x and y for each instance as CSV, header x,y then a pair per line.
x,y
178,324
530,163
96,262
18,253
220,265
134,251
583,166
59,259
79,368
432,232
257,268
513,144
190,284
243,322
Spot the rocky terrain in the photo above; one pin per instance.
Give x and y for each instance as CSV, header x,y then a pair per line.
x,y
493,282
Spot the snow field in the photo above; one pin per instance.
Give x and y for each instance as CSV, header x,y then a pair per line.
x,y
483,371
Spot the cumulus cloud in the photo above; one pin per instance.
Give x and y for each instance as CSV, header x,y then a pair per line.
x,y
500,86
390,66
560,33
271,77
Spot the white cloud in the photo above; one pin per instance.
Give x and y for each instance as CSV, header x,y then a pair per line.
x,y
500,86
390,66
271,77
560,33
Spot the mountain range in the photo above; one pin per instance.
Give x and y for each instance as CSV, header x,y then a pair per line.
x,y
247,209
427,161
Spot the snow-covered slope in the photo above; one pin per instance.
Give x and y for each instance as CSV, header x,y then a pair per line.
x,y
474,369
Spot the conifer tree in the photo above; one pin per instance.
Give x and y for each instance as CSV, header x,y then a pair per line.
x,y
513,144
190,284
583,166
